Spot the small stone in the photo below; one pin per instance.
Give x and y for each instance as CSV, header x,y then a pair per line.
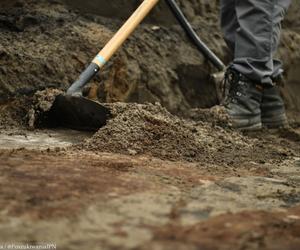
x,y
155,28
132,152
293,217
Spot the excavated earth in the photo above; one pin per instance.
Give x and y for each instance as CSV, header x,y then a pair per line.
x,y
166,172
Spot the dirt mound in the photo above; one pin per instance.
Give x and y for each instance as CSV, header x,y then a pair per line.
x,y
146,129
152,130
204,137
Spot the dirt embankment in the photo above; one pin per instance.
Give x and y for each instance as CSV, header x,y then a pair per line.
x,y
45,44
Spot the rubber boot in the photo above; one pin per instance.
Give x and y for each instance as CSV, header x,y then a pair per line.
x,y
243,101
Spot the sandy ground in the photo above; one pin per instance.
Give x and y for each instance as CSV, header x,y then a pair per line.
x,y
149,179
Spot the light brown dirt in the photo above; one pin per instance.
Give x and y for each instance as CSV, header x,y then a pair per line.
x,y
150,129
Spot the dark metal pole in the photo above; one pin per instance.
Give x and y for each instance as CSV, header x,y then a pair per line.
x,y
201,46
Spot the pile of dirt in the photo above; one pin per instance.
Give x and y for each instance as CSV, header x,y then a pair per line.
x,y
204,137
150,129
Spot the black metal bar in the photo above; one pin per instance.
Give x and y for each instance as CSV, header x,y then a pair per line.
x,y
84,78
201,46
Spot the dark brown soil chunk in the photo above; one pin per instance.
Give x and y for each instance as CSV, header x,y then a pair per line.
x,y
41,103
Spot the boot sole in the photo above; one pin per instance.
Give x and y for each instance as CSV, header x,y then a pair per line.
x,y
246,124
279,121
254,127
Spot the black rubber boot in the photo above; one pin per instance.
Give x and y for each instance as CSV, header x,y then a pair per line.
x,y
243,101
272,109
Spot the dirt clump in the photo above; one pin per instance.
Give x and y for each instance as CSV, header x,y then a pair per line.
x,y
42,102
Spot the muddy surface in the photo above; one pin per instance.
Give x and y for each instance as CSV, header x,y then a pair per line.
x,y
167,173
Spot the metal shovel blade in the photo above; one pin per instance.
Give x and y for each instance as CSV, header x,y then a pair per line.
x,y
78,113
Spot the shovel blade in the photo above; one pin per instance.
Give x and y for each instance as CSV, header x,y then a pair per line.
x,y
79,113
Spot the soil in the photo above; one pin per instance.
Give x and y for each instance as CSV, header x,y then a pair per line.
x,y
167,171
151,130
147,129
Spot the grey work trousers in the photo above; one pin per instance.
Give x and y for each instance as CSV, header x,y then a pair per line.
x,y
252,32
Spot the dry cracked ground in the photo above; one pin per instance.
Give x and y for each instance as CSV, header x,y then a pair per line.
x,y
149,179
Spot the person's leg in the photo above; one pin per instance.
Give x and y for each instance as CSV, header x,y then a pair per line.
x,y
229,23
257,38
252,100
242,98
272,107
280,10
230,26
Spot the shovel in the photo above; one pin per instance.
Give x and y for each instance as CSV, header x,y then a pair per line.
x,y
74,111
77,112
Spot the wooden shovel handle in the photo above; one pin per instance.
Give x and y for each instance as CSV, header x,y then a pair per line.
x,y
112,46
124,32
